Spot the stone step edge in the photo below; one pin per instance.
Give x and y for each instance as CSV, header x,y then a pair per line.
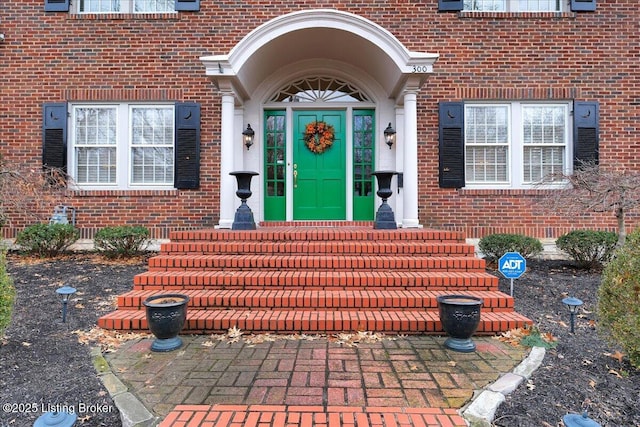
x,y
316,299
318,321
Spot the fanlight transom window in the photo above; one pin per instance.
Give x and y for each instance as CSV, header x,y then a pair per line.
x,y
319,89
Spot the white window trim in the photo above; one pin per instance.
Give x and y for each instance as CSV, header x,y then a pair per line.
x,y
515,158
123,147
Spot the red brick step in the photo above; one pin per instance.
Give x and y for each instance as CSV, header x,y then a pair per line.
x,y
315,299
315,262
365,247
302,278
257,279
395,321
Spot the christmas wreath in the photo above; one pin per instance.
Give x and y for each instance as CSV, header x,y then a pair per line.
x,y
318,136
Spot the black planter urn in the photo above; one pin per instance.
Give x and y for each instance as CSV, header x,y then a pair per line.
x,y
385,219
460,317
243,219
166,316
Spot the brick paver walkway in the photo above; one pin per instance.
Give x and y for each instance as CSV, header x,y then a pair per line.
x,y
410,380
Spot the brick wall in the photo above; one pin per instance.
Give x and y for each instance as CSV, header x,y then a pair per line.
x,y
56,57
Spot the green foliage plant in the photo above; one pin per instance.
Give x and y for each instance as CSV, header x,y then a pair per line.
x,y
121,241
7,294
47,240
538,339
494,246
590,249
619,299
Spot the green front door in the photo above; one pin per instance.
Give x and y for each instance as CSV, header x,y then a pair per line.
x,y
319,179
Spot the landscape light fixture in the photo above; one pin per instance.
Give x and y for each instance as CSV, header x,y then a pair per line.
x,y
389,135
577,420
65,293
56,419
247,136
572,305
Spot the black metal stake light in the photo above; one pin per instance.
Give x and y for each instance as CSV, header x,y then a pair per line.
x,y
389,136
65,293
247,137
572,305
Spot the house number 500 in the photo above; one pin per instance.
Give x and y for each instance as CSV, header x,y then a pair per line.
x,y
420,69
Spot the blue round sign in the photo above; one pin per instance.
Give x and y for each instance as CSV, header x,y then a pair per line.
x,y
512,265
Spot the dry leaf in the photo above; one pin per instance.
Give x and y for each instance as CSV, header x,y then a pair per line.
x,y
530,385
452,363
26,344
616,355
108,340
614,372
592,383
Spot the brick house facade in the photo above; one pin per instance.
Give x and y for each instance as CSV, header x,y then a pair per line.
x,y
145,108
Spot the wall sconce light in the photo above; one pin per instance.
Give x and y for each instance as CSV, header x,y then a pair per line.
x,y
65,293
572,305
248,135
389,135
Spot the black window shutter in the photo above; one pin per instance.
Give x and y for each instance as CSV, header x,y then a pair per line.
x,y
450,5
583,5
451,144
56,5
187,152
586,138
54,136
187,5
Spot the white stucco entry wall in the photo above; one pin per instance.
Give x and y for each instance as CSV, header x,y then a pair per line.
x,y
329,42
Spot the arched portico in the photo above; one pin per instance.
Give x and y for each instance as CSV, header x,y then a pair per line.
x,y
319,42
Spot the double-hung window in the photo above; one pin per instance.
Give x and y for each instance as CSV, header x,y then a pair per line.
x,y
515,145
126,6
513,5
122,146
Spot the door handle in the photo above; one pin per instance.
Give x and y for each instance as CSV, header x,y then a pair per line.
x,y
295,178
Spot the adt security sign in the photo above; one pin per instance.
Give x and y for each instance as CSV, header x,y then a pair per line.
x,y
512,265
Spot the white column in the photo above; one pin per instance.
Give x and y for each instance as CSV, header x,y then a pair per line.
x,y
227,182
410,199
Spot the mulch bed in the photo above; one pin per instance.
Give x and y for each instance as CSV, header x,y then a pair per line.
x,y
44,366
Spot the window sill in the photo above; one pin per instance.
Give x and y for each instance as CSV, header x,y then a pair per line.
x,y
124,16
517,15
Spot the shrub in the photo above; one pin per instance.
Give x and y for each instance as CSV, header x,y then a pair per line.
x,y
494,246
121,241
618,308
7,294
588,248
47,240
